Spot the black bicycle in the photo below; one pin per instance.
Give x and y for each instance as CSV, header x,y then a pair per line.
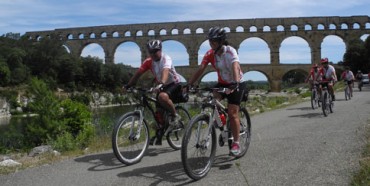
x,y
130,138
315,96
199,141
326,100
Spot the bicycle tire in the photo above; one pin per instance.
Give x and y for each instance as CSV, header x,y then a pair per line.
x,y
197,158
313,99
325,105
245,132
174,137
331,104
346,93
127,147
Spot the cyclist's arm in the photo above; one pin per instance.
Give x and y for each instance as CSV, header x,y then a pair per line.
x,y
134,78
236,71
164,76
197,74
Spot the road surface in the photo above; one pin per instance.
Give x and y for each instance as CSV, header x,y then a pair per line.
x,y
290,146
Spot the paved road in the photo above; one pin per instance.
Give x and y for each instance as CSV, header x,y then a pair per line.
x,y
290,146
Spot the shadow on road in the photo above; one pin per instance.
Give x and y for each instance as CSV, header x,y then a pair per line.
x,y
308,115
300,108
108,161
172,172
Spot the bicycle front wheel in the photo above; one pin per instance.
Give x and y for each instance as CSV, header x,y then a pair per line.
x,y
198,147
174,137
314,99
245,132
325,103
130,138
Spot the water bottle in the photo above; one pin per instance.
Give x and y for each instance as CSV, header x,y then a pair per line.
x,y
223,119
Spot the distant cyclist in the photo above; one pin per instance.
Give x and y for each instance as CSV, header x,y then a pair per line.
x,y
349,78
329,75
359,77
315,76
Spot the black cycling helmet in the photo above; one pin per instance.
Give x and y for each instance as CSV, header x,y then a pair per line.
x,y
216,33
154,45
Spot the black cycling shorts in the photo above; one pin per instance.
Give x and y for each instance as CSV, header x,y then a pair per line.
x,y
235,97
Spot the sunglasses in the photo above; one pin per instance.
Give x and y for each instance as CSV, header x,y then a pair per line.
x,y
152,52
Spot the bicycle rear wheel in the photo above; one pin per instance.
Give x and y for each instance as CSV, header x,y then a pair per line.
x,y
174,137
130,139
198,147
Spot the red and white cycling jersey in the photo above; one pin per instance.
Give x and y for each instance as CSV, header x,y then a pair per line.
x,y
157,67
329,74
315,76
223,64
348,76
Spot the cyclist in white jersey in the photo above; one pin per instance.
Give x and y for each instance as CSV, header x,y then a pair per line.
x,y
349,78
224,59
329,75
168,82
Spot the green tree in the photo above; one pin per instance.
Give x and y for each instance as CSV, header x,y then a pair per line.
x,y
93,72
46,125
355,56
4,72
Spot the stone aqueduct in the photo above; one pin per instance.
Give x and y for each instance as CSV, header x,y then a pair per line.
x,y
193,33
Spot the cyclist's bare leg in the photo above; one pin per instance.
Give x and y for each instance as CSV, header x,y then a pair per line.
x,y
331,89
166,102
234,119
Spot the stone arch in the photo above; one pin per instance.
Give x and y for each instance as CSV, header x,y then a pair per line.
x,y
128,53
330,48
151,32
301,54
187,31
89,47
254,50
239,29
115,34
177,51
175,31
295,76
199,31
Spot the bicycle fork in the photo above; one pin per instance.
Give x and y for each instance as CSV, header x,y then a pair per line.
x,y
135,135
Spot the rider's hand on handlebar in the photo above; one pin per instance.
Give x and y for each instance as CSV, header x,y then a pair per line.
x,y
158,88
125,88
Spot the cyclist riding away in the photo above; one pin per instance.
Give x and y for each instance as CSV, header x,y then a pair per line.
x,y
348,77
168,83
225,60
329,76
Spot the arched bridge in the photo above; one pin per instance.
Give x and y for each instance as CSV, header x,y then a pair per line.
x,y
193,33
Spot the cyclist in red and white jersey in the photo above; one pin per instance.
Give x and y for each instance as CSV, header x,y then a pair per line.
x,y
349,78
167,79
314,77
329,75
225,60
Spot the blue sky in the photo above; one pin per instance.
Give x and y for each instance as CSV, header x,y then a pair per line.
x,y
20,16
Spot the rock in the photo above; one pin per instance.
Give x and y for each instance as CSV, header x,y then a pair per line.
x,y
9,163
40,150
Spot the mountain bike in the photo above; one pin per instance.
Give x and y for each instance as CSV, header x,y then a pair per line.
x,y
347,92
315,97
326,99
130,138
199,141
